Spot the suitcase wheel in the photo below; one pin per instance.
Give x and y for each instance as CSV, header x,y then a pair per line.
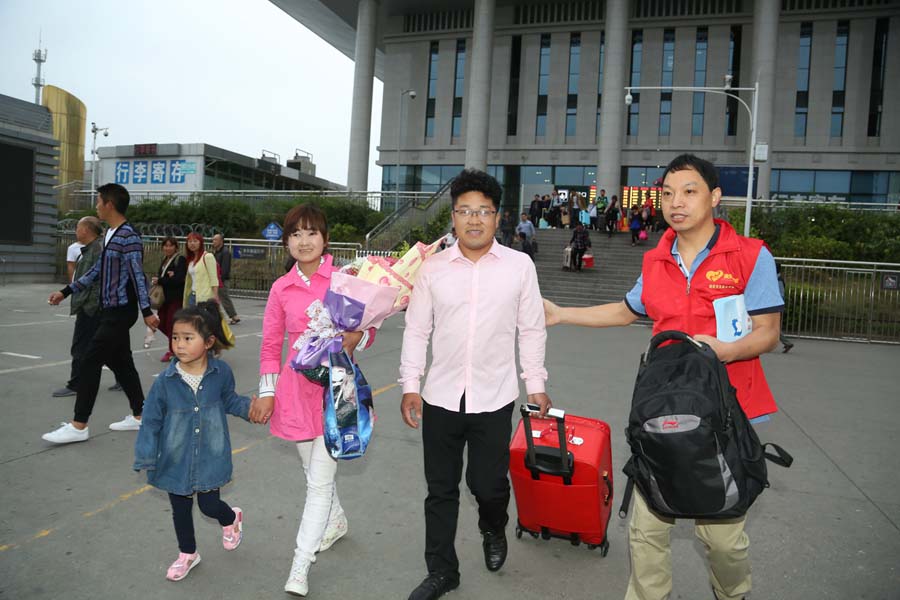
x,y
518,532
604,547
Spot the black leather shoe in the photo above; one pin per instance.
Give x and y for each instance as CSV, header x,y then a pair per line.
x,y
116,388
64,392
434,586
494,545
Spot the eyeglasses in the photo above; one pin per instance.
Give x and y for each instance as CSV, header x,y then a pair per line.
x,y
482,213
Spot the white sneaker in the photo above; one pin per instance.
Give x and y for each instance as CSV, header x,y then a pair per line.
x,y
335,530
298,581
66,434
129,423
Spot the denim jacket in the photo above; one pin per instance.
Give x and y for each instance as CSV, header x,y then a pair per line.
x,y
183,442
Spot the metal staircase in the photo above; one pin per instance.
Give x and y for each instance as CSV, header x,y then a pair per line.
x,y
412,212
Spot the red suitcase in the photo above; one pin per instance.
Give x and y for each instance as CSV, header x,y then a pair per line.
x,y
565,494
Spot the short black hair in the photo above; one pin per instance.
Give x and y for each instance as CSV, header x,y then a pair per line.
x,y
117,194
706,169
473,180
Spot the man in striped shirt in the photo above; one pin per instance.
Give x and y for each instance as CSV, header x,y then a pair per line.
x,y
123,289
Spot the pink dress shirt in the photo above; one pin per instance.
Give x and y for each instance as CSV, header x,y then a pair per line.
x,y
298,401
473,311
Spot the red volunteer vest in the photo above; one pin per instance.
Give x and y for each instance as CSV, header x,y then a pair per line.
x,y
673,303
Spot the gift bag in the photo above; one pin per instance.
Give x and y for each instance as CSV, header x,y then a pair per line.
x,y
348,410
642,235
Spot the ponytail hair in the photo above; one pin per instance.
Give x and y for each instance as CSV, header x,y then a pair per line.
x,y
206,319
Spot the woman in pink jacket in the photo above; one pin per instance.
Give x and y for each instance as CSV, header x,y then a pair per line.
x,y
288,399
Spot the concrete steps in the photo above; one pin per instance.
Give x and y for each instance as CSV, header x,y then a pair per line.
x,y
617,265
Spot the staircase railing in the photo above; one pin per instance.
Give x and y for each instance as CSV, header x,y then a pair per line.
x,y
410,214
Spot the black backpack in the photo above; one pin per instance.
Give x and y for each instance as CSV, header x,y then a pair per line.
x,y
694,453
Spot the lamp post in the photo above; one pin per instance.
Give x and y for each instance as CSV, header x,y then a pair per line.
x,y
95,130
412,96
725,90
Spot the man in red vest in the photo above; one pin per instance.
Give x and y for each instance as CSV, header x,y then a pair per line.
x,y
698,260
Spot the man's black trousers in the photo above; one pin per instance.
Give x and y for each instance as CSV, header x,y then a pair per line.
x,y
85,327
110,346
444,435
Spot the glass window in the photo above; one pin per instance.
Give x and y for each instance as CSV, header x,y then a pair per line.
x,y
876,92
431,175
387,176
460,76
540,125
774,179
574,62
668,57
497,172
870,182
797,181
568,176
544,65
590,176
539,174
570,122
448,172
832,182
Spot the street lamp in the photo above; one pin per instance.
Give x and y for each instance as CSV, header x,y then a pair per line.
x,y
95,130
725,90
412,96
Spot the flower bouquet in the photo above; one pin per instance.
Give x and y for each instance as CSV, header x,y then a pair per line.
x,y
361,296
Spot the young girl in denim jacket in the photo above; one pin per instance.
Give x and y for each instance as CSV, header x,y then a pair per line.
x,y
183,442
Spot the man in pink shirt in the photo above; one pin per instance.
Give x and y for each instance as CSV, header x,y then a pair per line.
x,y
470,299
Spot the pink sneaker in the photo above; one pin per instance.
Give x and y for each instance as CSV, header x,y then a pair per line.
x,y
234,533
181,567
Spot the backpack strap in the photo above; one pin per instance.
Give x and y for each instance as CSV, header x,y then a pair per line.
x,y
626,498
781,456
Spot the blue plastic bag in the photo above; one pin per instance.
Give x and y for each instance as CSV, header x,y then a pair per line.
x,y
348,408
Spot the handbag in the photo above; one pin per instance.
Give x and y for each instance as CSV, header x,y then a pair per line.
x,y
348,411
157,296
642,235
229,335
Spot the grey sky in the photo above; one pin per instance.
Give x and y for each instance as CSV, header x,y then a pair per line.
x,y
239,74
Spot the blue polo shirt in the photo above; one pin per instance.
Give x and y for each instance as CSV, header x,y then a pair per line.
x,y
761,295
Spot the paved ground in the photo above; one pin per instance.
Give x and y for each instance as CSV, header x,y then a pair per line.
x,y
78,523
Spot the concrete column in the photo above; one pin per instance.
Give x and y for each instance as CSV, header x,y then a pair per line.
x,y
765,49
612,118
478,103
361,111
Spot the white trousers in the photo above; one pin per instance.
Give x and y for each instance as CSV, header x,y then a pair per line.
x,y
322,502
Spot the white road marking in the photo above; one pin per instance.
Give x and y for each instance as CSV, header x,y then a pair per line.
x,y
31,323
31,356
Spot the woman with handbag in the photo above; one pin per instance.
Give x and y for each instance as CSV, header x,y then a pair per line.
x,y
202,281
289,399
170,280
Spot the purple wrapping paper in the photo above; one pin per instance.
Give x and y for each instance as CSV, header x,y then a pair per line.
x,y
314,352
346,315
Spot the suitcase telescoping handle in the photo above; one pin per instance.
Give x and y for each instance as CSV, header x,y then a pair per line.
x,y
550,461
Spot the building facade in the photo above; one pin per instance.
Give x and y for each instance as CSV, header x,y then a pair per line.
x,y
195,167
28,173
535,91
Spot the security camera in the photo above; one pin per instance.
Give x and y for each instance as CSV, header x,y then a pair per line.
x,y
628,99
105,134
728,79
412,95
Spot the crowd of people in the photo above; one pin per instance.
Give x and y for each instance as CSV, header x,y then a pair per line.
x,y
474,295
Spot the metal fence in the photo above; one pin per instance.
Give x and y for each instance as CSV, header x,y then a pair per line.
x,y
841,300
255,264
259,199
825,299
